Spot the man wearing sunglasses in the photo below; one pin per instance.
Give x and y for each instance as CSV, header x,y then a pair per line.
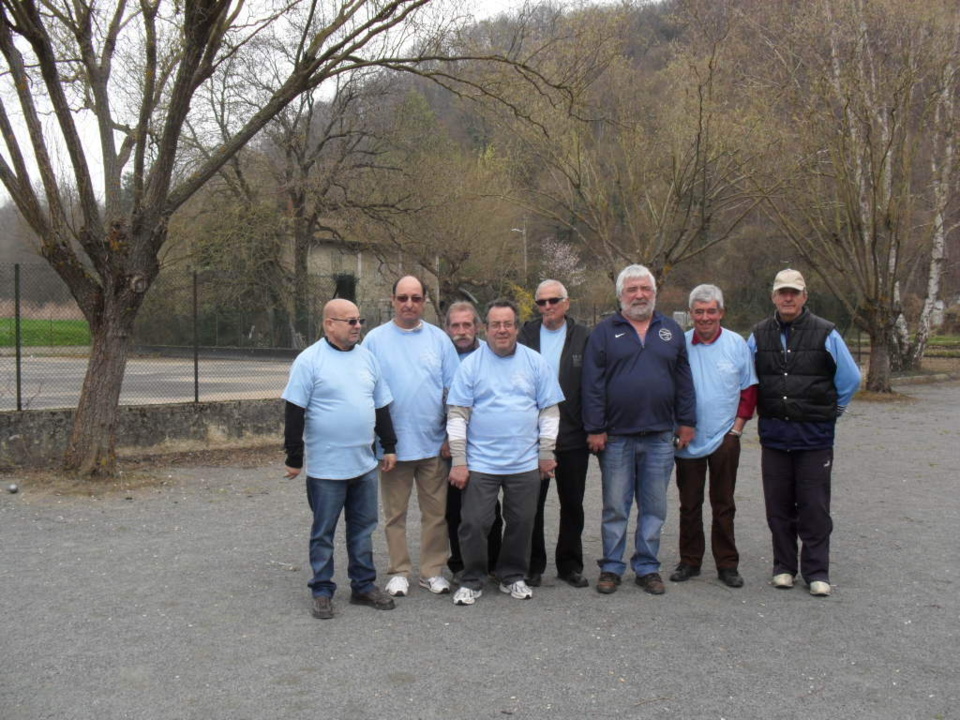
x,y
419,362
561,341
337,400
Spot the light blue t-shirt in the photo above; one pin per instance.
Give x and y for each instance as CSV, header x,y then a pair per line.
x,y
720,371
340,391
551,345
419,366
506,395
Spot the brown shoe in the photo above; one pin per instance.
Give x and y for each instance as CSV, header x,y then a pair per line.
x,y
375,598
608,583
322,607
651,583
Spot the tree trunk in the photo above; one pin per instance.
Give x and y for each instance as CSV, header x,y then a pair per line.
x,y
878,372
91,451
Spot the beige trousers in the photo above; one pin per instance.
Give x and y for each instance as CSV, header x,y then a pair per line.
x,y
430,476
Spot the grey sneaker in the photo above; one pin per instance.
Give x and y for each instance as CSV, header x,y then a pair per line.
x,y
519,590
398,586
783,581
437,584
466,596
819,588
322,607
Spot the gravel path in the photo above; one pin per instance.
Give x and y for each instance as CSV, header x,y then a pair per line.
x,y
189,600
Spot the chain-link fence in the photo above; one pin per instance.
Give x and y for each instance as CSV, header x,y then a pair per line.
x,y
198,337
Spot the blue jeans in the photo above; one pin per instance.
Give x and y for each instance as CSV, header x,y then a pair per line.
x,y
635,466
356,498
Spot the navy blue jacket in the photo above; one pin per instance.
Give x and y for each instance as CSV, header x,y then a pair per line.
x,y
630,387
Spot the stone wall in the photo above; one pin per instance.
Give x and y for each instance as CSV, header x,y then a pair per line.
x,y
37,438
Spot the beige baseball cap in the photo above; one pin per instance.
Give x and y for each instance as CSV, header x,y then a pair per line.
x,y
790,279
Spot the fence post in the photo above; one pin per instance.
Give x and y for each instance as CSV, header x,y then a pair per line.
x,y
196,342
17,334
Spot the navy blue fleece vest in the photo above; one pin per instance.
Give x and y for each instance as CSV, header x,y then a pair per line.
x,y
796,384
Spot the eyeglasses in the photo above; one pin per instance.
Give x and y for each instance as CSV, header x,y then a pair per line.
x,y
412,298
551,301
352,322
506,325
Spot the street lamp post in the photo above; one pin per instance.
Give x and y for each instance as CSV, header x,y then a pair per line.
x,y
523,234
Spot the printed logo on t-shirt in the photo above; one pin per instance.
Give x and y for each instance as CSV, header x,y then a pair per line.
x,y
665,335
430,361
523,383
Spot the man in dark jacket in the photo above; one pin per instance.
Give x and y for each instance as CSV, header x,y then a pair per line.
x,y
807,377
561,341
638,395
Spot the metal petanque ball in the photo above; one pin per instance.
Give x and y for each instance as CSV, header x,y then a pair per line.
x,y
13,488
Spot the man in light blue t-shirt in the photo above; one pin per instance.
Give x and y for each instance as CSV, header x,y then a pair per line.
x,y
418,361
502,423
337,400
726,386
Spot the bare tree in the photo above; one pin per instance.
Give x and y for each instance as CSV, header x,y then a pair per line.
x,y
862,96
133,70
649,168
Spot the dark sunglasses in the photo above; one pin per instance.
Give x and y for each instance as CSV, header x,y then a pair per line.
x,y
411,298
352,322
551,301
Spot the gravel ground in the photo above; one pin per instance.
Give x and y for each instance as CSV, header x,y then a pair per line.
x,y
182,594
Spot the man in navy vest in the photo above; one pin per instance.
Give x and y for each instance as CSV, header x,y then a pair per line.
x,y
806,379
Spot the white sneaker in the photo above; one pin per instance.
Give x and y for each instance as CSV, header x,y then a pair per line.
x,y
438,584
784,581
398,586
519,590
819,588
466,596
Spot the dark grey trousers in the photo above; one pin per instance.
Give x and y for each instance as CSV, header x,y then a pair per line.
x,y
520,494
796,492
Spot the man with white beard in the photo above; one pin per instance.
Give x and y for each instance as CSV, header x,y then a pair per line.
x,y
638,404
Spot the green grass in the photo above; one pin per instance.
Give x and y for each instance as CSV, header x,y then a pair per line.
x,y
44,333
944,340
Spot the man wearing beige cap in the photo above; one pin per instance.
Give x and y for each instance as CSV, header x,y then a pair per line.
x,y
807,377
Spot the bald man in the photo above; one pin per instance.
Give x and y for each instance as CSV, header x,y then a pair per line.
x,y
337,400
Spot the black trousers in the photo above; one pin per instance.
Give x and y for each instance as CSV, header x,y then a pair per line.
x,y
571,481
796,492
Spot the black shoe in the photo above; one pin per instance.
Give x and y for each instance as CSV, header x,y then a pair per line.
x,y
684,572
535,579
729,577
574,579
651,583
375,598
608,583
322,607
